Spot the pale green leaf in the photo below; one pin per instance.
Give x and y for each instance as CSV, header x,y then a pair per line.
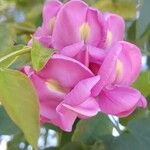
x,y
120,7
39,55
19,98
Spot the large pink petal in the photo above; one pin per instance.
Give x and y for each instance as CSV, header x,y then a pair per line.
x,y
142,102
72,50
96,23
66,118
51,110
116,27
86,109
81,91
48,99
97,55
68,22
119,101
79,100
130,57
50,10
67,71
107,69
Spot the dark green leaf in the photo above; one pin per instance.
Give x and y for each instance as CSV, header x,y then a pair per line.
x,y
7,126
144,20
138,113
88,131
131,32
75,146
143,83
14,143
135,137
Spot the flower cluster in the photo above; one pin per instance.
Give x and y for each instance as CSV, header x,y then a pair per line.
x,y
93,68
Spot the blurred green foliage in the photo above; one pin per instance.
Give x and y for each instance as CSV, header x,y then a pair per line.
x,y
20,18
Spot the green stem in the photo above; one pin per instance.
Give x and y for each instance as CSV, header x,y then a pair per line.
x,y
24,28
15,54
59,138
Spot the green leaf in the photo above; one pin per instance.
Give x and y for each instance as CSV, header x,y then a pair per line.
x,y
131,32
21,61
120,7
138,113
7,126
39,55
148,61
143,83
19,98
14,143
8,62
88,131
7,57
51,148
144,20
75,146
135,137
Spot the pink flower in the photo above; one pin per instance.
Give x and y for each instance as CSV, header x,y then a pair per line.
x,y
64,89
115,28
93,69
79,32
44,33
119,70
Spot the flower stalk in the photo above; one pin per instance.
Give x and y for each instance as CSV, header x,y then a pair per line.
x,y
25,50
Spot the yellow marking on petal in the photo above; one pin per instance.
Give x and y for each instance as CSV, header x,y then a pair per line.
x,y
52,24
85,31
108,38
54,86
119,69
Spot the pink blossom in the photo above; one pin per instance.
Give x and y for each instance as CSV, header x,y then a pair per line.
x,y
64,88
79,32
93,69
119,70
115,28
44,33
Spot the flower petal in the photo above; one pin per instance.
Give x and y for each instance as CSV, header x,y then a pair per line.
x,y
86,109
67,71
107,69
50,11
48,99
81,91
119,101
115,28
96,23
72,50
68,22
66,118
130,58
142,102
